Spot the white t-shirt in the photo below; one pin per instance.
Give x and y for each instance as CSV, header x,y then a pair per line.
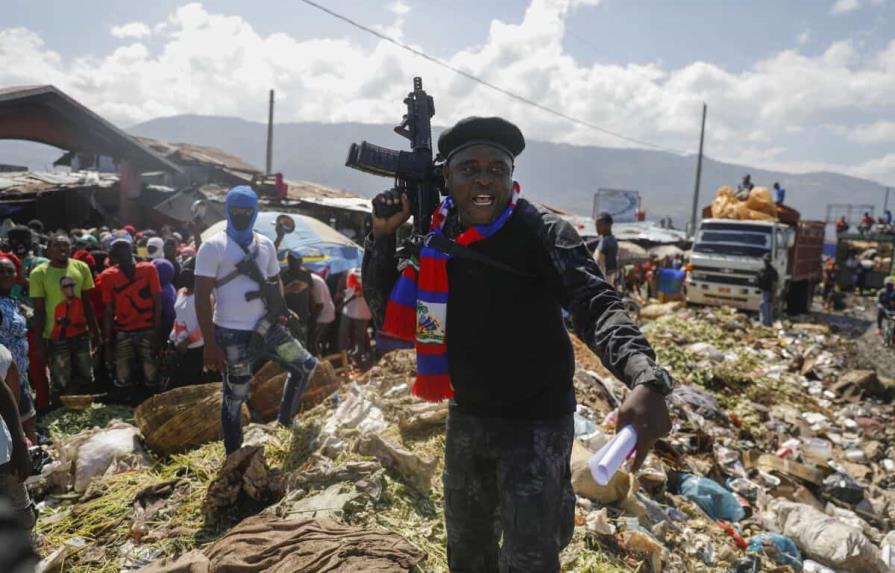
x,y
186,322
217,258
320,295
5,436
356,307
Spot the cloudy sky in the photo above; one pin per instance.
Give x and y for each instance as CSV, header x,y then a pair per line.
x,y
797,85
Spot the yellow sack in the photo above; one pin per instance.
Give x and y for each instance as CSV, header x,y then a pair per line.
x,y
762,204
725,204
757,207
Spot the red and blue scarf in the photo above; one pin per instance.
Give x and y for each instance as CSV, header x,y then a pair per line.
x,y
417,307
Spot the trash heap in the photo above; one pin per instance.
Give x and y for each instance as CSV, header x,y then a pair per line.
x,y
780,460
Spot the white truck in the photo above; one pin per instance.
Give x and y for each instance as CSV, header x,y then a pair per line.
x,y
727,255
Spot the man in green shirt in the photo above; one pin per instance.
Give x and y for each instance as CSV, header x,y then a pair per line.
x,y
63,313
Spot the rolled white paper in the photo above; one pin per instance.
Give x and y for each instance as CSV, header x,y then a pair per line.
x,y
610,457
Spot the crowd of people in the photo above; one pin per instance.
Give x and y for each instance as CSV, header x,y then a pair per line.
x,y
113,311
883,225
640,278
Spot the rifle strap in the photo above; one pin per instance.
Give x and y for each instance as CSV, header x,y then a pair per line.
x,y
235,272
453,249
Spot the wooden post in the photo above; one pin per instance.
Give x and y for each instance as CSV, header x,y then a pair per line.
x,y
269,136
693,216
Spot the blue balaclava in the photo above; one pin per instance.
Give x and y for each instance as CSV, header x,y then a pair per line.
x,y
240,227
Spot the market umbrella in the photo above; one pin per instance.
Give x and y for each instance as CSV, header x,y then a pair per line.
x,y
629,252
663,251
321,246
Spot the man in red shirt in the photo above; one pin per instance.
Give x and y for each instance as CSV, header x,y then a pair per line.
x,y
131,293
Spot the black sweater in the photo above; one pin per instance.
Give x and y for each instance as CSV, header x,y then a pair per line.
x,y
509,353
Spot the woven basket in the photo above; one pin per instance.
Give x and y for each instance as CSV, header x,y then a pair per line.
x,y
77,402
183,418
267,389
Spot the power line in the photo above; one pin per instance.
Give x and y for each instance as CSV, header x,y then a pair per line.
x,y
486,83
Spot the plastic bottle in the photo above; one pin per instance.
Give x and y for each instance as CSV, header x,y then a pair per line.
x,y
817,450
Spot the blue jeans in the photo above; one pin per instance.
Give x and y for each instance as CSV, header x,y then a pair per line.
x,y
279,346
766,310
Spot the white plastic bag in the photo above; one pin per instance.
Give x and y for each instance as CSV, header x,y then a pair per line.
x,y
97,453
828,540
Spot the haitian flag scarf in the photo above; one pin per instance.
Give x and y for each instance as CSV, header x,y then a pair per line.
x,y
417,306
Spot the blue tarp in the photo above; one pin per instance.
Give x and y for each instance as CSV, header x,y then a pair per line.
x,y
321,246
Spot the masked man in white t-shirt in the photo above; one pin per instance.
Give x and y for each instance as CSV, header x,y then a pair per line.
x,y
240,266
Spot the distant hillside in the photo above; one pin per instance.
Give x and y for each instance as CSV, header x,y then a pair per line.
x,y
560,175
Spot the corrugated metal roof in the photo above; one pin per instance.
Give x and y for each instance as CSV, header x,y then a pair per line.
x,y
47,115
358,204
35,182
185,153
308,189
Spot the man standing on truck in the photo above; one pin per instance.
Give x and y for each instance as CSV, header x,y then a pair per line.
x,y
745,187
767,279
781,194
841,225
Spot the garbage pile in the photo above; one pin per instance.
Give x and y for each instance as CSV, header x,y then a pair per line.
x,y
780,460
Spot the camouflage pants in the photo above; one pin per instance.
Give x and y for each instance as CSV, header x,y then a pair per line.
x,y
512,478
278,346
134,348
70,362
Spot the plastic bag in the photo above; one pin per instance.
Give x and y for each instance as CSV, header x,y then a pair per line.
x,y
843,488
828,540
711,497
117,442
778,547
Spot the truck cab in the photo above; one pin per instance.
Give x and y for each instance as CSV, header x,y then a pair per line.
x,y
727,255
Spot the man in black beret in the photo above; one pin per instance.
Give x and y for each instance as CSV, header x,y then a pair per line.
x,y
507,364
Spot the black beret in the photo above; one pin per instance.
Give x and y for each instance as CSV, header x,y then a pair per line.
x,y
494,131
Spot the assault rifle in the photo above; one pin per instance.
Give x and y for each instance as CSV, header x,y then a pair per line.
x,y
415,172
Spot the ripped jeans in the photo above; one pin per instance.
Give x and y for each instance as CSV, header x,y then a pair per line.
x,y
278,346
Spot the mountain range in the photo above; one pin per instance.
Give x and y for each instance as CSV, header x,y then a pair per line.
x,y
560,175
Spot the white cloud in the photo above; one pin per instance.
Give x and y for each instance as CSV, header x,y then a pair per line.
x,y
207,63
135,30
878,132
804,37
844,6
399,8
881,169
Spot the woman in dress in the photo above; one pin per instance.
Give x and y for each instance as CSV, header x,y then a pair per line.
x,y
14,336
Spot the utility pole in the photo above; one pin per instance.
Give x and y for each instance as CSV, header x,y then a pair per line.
x,y
269,135
698,174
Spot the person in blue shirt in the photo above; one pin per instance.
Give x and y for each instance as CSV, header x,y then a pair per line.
x,y
781,193
887,217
